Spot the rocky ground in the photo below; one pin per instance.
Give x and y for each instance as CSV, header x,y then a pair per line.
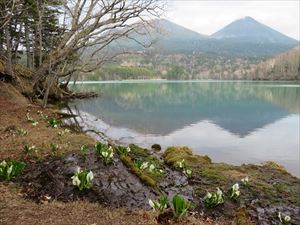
x,y
44,193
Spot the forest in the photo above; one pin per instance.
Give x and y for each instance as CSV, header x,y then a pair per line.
x,y
55,39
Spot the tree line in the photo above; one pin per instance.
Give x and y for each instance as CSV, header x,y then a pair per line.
x,y
56,39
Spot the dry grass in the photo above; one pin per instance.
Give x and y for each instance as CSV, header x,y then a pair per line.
x,y
13,118
14,209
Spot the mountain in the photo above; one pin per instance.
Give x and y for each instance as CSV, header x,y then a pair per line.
x,y
249,30
244,37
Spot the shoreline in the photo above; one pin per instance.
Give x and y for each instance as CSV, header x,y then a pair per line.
x,y
186,81
125,136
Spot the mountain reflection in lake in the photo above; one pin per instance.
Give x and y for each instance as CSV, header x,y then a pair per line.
x,y
234,122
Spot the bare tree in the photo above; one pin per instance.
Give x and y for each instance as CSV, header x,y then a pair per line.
x,y
93,25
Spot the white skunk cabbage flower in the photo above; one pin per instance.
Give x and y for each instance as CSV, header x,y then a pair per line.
x,y
105,154
3,163
180,163
10,170
219,191
128,149
208,195
151,167
151,203
287,218
235,187
188,172
245,180
144,165
75,180
78,170
90,176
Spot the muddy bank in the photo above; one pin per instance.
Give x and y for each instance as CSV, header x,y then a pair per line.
x,y
118,185
113,185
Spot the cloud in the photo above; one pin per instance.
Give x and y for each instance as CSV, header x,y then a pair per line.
x,y
207,17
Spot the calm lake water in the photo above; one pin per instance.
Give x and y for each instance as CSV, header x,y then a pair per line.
x,y
233,122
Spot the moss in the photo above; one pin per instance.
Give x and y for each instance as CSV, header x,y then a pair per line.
x,y
174,154
139,152
211,173
143,176
274,165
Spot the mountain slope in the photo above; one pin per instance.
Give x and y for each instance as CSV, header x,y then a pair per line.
x,y
248,29
170,30
285,66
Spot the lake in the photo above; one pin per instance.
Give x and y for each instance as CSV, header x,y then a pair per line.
x,y
230,121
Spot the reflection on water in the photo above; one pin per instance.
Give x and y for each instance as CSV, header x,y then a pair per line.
x,y
234,122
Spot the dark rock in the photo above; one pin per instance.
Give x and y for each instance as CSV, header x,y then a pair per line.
x,y
156,147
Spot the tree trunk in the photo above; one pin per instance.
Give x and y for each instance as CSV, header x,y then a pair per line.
x,y
40,35
46,95
27,44
8,55
1,42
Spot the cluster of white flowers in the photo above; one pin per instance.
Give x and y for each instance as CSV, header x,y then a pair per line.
x,y
108,153
147,165
160,204
150,167
214,199
28,149
156,205
181,164
234,192
128,149
31,120
3,164
82,179
10,169
245,181
63,132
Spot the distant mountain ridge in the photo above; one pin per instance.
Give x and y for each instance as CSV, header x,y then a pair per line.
x,y
248,29
243,37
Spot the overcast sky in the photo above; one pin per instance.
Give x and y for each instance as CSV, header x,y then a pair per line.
x,y
207,17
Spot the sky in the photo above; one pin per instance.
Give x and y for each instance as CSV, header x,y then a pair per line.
x,y
207,17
